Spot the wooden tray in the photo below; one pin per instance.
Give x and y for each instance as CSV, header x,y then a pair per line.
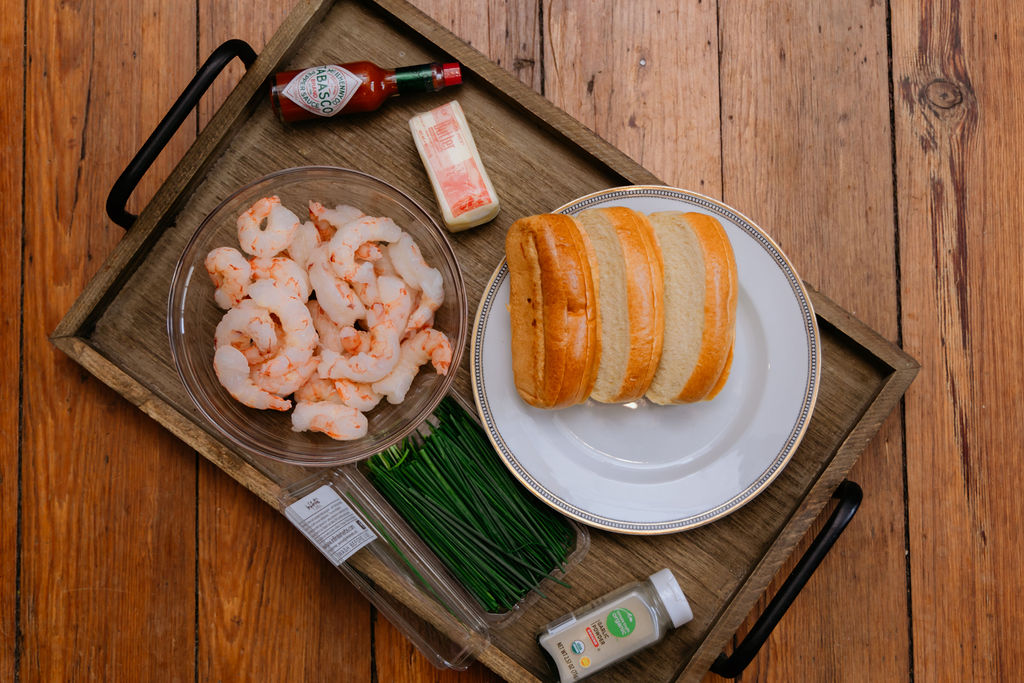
x,y
538,158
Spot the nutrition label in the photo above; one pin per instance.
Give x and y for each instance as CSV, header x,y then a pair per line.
x,y
330,524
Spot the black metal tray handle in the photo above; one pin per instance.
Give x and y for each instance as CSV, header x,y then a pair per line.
x,y
126,183
731,666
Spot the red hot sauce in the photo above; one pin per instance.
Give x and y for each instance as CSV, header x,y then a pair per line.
x,y
325,91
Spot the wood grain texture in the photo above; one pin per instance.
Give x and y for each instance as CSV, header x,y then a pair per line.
x,y
220,20
12,78
397,659
806,152
108,558
957,96
506,31
642,75
270,606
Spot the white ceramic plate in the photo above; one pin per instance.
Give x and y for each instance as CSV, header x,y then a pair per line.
x,y
647,469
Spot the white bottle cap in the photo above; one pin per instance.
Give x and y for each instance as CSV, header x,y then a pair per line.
x,y
672,597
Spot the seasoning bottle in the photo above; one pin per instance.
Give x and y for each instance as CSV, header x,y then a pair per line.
x,y
615,626
333,89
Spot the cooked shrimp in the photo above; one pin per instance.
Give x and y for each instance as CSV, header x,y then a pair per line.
x,y
233,372
305,241
327,221
297,324
396,298
317,388
281,225
428,344
286,372
329,332
383,266
333,293
342,247
353,340
363,281
250,329
374,364
369,251
358,395
336,420
408,261
231,274
285,273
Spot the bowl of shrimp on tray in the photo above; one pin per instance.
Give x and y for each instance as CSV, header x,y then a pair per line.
x,y
317,316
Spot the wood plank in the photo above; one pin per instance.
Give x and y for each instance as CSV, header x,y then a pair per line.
x,y
397,659
107,582
12,147
805,151
506,31
640,74
270,606
957,92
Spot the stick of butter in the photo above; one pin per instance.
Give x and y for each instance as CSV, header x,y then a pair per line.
x,y
461,185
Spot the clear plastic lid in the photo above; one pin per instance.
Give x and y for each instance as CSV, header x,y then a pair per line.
x,y
389,565
369,542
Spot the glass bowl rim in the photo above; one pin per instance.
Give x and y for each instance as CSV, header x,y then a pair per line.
x,y
181,277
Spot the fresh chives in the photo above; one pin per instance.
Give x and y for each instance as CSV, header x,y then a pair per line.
x,y
497,539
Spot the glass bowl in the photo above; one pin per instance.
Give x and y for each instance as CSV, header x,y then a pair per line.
x,y
192,317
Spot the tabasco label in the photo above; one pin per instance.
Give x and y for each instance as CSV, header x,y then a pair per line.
x,y
322,90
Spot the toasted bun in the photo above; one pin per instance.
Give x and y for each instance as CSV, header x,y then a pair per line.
x,y
553,306
700,307
720,384
632,316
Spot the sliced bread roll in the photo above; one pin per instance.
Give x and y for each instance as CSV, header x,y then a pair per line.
x,y
553,306
700,307
631,301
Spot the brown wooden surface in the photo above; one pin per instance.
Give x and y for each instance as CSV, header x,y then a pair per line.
x,y
834,217
119,525
107,499
957,86
12,78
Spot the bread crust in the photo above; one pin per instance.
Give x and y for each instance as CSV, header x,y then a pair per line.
x,y
555,330
644,295
721,287
720,384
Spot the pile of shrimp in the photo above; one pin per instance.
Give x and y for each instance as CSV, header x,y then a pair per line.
x,y
336,312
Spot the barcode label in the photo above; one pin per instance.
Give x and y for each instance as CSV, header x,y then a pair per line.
x,y
330,524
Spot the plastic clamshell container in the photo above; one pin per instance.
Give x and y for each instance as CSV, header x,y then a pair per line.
x,y
449,627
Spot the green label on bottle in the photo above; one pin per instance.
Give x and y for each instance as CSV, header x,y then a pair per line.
x,y
621,622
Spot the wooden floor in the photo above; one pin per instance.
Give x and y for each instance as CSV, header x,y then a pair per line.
x,y
880,144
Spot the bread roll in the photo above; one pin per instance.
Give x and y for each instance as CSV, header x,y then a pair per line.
x,y
553,305
700,307
720,384
631,304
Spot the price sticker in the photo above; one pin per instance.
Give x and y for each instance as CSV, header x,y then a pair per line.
x,y
330,524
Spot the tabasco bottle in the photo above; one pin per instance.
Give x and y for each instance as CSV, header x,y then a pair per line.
x,y
333,89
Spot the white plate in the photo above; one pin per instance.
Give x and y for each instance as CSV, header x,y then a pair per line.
x,y
647,469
